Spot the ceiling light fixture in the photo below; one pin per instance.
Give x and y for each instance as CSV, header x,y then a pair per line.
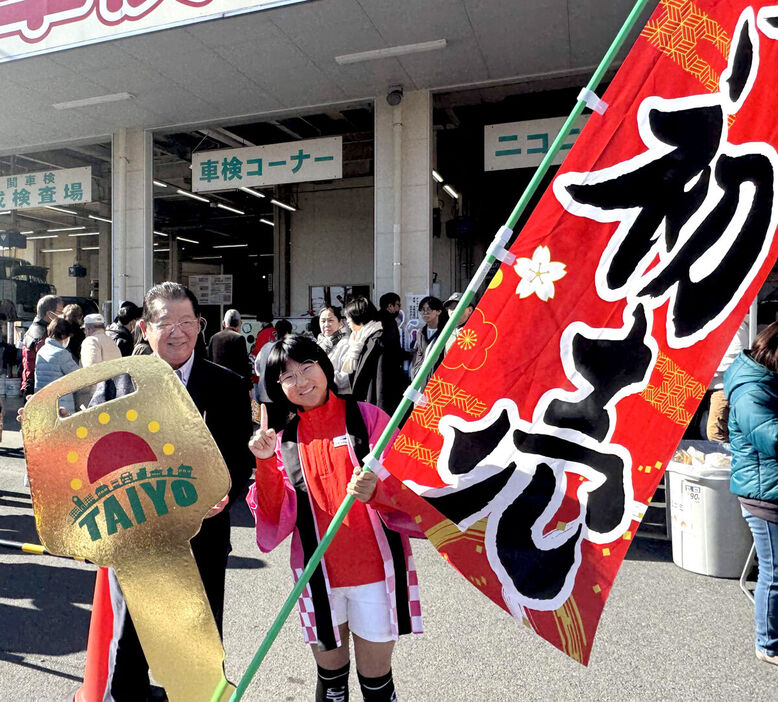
x,y
42,236
230,246
90,248
161,250
66,229
159,233
101,219
437,176
284,205
391,52
28,232
54,250
204,258
252,192
60,209
267,221
85,234
190,241
230,209
192,195
5,212
159,183
451,191
97,100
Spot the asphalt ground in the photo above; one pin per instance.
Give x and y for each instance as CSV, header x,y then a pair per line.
x,y
665,634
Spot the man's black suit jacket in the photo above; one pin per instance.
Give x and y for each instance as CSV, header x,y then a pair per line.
x,y
224,402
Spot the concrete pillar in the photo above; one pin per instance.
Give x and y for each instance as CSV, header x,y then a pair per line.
x,y
133,215
403,195
104,273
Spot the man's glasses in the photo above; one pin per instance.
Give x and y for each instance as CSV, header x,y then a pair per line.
x,y
290,378
185,325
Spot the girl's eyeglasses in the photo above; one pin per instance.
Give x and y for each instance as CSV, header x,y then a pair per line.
x,y
290,378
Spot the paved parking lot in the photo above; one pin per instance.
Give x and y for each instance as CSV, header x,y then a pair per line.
x,y
666,634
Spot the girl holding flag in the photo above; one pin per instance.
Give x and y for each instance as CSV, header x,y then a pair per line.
x,y
366,584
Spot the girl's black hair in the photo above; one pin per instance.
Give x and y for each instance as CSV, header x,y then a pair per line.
x,y
360,310
297,348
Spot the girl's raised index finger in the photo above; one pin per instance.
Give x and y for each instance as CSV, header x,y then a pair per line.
x,y
263,417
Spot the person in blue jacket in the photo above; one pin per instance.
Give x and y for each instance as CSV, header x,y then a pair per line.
x,y
54,361
751,388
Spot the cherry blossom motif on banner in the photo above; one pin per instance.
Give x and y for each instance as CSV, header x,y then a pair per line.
x,y
549,424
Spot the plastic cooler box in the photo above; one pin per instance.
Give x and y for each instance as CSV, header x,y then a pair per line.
x,y
709,534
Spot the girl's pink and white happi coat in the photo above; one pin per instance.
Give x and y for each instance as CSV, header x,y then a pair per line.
x,y
272,529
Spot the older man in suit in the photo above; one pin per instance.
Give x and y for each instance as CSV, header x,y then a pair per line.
x,y
171,325
228,347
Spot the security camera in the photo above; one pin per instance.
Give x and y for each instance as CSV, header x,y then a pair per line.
x,y
395,96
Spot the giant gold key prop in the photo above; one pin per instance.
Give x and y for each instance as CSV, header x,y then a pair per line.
x,y
126,484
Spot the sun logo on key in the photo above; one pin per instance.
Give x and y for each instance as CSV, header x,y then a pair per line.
x,y
132,496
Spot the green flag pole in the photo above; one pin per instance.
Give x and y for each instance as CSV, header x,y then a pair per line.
x,y
414,392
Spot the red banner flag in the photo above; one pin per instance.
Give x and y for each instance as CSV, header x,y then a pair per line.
x,y
549,423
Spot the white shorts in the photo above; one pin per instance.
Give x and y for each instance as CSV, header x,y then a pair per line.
x,y
367,610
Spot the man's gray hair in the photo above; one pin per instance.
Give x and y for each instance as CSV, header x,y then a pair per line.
x,y
167,291
48,303
232,318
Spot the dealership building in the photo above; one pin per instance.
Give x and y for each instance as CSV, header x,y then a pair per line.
x,y
277,155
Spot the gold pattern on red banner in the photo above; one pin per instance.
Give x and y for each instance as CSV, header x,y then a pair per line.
x,y
445,532
571,630
678,34
416,451
440,396
675,390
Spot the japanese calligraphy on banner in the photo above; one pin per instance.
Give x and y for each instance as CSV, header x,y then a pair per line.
x,y
524,144
62,187
550,421
212,289
272,164
29,27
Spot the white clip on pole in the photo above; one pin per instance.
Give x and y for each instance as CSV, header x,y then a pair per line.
x,y
418,398
497,247
594,103
376,467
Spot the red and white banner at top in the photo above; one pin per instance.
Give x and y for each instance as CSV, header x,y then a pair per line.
x,y
30,27
550,422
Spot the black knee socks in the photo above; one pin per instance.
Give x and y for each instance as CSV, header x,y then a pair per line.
x,y
332,685
380,689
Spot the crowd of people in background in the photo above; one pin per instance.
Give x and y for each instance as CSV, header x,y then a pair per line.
x,y
363,343
61,340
